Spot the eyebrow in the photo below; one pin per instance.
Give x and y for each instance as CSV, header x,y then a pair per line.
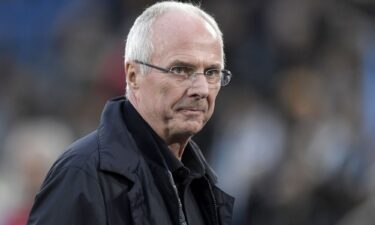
x,y
184,63
181,63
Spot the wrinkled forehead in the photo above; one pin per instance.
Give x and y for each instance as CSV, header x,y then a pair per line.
x,y
179,20
181,27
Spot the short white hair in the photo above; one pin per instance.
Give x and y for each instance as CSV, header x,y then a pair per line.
x,y
139,44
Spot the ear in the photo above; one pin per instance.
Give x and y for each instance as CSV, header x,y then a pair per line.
x,y
131,75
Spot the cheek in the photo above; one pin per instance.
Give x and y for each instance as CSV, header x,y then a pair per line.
x,y
166,96
170,91
212,98
164,91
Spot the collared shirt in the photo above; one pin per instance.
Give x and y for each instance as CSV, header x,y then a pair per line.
x,y
184,172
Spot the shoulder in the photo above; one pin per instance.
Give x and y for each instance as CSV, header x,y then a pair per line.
x,y
72,187
82,156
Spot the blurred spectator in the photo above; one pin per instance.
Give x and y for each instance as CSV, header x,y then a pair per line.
x,y
249,143
30,148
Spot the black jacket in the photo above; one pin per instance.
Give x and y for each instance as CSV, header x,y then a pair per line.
x,y
103,179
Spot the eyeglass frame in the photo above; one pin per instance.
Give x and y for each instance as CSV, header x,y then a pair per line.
x,y
225,75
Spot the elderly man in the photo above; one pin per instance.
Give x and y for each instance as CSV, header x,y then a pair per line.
x,y
141,166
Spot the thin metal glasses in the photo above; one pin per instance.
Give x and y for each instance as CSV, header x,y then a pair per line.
x,y
213,76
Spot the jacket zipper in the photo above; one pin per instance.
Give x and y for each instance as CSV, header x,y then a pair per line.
x,y
181,215
214,203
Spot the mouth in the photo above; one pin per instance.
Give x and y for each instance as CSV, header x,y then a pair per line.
x,y
191,111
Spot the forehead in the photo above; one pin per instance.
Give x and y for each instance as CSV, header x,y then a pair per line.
x,y
187,32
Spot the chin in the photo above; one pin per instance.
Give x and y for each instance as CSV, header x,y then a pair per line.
x,y
193,126
187,130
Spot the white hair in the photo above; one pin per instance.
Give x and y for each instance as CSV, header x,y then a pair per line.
x,y
139,44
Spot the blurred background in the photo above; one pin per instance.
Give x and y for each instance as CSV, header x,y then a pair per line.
x,y
292,137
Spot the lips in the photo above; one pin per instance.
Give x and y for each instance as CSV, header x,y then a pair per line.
x,y
191,109
195,106
191,113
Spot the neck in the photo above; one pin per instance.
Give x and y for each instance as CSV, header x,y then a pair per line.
x,y
177,149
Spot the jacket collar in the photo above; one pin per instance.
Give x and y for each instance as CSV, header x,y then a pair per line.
x,y
117,150
153,148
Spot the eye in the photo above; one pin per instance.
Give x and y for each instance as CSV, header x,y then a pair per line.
x,y
182,70
212,73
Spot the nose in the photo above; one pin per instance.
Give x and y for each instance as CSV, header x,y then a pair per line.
x,y
199,86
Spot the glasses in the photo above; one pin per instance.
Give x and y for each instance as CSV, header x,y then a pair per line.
x,y
213,76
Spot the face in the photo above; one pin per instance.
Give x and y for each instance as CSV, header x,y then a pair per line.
x,y
177,109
